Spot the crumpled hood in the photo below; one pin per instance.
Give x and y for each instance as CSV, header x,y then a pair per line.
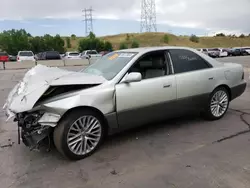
x,y
37,80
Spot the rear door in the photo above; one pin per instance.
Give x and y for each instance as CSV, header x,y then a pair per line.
x,y
195,79
150,99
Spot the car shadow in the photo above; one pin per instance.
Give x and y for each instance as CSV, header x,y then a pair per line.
x,y
152,129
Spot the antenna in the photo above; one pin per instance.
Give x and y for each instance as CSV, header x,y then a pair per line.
x,y
88,20
148,16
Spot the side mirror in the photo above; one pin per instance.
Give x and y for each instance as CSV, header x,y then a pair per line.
x,y
133,77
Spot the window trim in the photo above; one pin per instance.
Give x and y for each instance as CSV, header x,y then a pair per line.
x,y
207,63
138,59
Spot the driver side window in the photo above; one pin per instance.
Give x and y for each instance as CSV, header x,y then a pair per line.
x,y
151,65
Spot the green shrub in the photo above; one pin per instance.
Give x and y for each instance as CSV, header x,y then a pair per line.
x,y
220,35
135,44
68,43
242,36
194,38
73,37
166,38
123,45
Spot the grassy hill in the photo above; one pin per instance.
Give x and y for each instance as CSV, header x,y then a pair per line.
x,y
156,39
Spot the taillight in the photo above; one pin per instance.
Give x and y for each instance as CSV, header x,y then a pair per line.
x,y
17,58
243,76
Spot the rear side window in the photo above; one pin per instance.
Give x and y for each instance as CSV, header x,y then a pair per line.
x,y
3,54
91,52
186,61
52,54
74,54
26,54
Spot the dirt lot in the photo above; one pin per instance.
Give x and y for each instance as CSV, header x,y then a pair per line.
x,y
183,153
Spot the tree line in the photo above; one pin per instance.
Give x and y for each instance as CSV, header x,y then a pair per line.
x,y
12,41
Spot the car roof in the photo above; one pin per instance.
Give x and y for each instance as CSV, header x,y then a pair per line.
x,y
143,50
149,49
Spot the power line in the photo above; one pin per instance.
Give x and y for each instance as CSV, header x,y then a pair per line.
x,y
88,19
148,16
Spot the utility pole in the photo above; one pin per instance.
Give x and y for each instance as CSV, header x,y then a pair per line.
x,y
88,19
148,16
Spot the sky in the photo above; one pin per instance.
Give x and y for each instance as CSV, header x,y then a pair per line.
x,y
180,17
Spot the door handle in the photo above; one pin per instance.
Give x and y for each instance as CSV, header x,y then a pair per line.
x,y
166,85
211,78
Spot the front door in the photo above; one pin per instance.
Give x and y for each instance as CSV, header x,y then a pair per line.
x,y
139,103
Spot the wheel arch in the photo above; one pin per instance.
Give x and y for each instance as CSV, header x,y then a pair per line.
x,y
93,109
227,88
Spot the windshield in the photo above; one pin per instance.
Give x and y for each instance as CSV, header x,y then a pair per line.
x,y
3,54
92,52
110,64
213,49
53,53
26,54
74,54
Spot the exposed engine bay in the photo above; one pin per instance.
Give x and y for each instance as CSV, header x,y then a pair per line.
x,y
32,133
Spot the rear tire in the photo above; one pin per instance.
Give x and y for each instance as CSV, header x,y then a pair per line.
x,y
217,104
79,134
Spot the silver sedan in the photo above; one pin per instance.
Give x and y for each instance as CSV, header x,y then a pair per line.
x,y
122,90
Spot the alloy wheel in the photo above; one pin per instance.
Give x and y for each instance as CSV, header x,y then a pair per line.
x,y
219,103
84,135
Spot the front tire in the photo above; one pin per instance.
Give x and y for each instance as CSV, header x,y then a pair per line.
x,y
79,134
217,104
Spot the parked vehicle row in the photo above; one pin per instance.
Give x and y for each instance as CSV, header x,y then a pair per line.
x,y
49,55
87,54
225,52
53,55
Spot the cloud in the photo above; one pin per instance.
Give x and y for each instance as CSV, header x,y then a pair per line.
x,y
216,15
47,25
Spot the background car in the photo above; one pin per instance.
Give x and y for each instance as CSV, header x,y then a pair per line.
x,y
12,58
223,52
4,57
50,55
247,50
72,55
79,109
203,50
104,52
213,52
90,53
229,51
243,51
25,56
239,51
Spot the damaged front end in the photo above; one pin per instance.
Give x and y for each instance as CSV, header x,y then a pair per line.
x,y
41,98
32,133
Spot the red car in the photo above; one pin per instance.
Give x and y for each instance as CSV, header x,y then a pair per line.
x,y
4,57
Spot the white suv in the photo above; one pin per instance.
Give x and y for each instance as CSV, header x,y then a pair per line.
x,y
25,56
